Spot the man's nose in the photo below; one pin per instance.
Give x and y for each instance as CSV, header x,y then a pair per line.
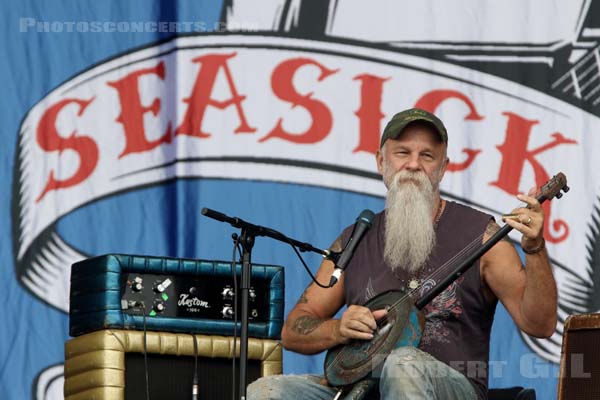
x,y
414,164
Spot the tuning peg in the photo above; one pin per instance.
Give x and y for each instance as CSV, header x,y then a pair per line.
x,y
558,195
566,189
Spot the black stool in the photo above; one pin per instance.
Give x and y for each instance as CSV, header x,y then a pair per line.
x,y
513,393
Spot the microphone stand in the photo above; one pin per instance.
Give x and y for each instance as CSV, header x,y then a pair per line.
x,y
247,242
247,236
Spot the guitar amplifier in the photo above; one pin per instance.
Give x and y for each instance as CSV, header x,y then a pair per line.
x,y
580,361
173,295
110,365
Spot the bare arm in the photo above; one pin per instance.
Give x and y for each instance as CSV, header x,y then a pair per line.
x,y
529,294
310,327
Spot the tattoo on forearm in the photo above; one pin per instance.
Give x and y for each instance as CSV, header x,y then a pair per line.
x,y
306,324
492,228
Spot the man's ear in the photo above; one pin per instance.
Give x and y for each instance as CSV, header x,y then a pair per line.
x,y
446,162
379,160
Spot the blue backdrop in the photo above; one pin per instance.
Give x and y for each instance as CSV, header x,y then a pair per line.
x,y
163,218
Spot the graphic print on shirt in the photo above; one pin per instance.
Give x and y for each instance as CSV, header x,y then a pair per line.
x,y
369,291
445,306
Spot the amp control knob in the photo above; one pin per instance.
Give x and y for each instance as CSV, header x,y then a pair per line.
x,y
159,306
138,284
227,312
161,286
227,293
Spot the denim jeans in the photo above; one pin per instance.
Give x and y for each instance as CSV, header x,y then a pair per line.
x,y
408,373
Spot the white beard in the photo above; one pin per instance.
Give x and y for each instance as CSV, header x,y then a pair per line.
x,y
409,228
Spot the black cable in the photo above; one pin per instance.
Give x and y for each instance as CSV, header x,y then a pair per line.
x,y
239,249
195,380
145,352
236,244
314,279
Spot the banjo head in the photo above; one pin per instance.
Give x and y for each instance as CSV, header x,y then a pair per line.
x,y
349,363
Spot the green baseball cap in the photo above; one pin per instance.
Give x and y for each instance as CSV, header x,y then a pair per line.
x,y
400,120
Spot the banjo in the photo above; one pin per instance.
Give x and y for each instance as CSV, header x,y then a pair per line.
x,y
403,325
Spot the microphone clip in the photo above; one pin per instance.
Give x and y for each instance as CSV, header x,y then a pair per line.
x,y
333,256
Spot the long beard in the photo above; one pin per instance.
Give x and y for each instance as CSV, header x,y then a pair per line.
x,y
409,228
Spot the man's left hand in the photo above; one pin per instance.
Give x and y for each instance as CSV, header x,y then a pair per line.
x,y
529,221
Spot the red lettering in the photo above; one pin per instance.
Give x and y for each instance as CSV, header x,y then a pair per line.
x,y
282,85
369,113
200,99
460,166
515,154
431,101
132,111
49,140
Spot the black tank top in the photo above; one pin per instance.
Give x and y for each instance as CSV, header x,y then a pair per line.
x,y
459,320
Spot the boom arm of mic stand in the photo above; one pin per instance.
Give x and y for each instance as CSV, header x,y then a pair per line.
x,y
249,232
258,230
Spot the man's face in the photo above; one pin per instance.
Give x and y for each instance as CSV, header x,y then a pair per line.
x,y
417,149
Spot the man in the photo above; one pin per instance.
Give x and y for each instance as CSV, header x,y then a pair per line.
x,y
412,243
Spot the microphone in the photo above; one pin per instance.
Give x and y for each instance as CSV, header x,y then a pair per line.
x,y
363,224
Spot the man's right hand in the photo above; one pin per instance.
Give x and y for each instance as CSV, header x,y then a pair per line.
x,y
358,322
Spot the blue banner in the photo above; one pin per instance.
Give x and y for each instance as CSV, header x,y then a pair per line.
x,y
122,120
